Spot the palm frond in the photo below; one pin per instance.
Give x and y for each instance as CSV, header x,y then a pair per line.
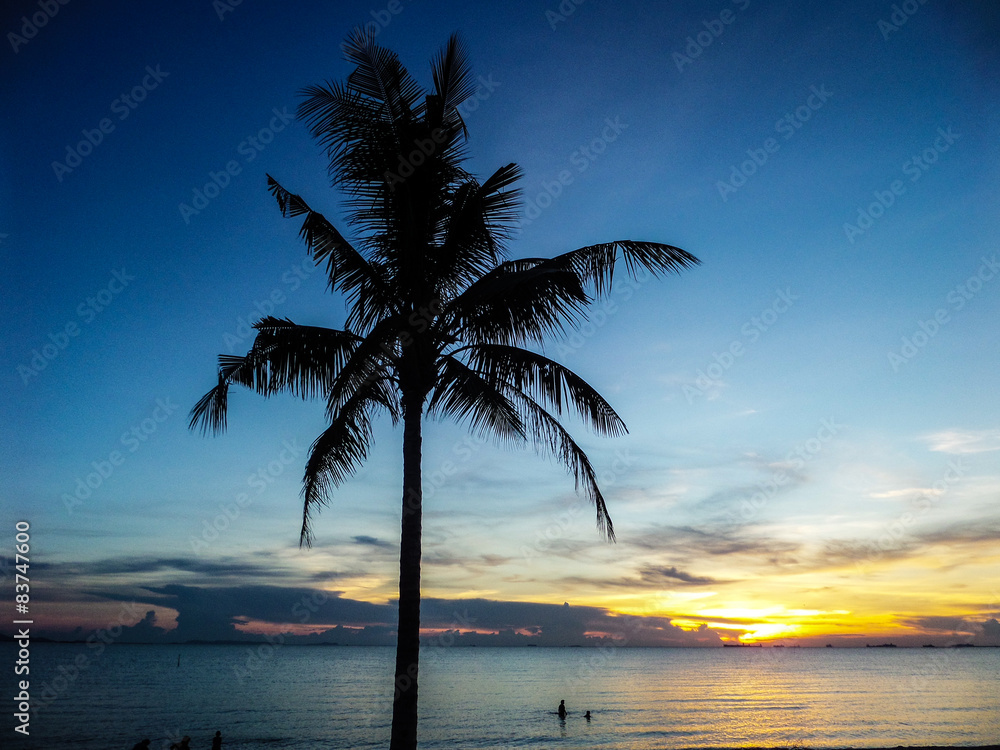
x,y
595,264
339,451
464,394
454,80
544,380
347,270
478,221
547,434
209,414
515,303
380,75
375,358
301,360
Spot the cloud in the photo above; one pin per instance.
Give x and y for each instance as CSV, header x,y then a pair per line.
x,y
650,576
447,559
680,575
221,568
957,441
961,630
942,624
372,542
144,631
245,613
691,542
990,631
837,552
905,492
966,533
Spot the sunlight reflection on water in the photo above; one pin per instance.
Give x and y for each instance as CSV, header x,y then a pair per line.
x,y
307,697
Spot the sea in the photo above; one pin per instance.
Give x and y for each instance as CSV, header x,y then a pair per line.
x,y
274,697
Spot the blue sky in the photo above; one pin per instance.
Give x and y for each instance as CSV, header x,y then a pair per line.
x,y
813,447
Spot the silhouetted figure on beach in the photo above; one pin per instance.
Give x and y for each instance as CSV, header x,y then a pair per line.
x,y
587,716
562,710
184,744
142,745
217,741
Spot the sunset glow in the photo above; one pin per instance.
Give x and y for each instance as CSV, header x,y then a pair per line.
x,y
812,453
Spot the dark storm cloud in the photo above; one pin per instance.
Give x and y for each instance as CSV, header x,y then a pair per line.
x,y
985,633
208,612
945,624
990,632
213,614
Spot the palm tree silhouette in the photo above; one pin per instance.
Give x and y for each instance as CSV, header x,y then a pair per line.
x,y
438,314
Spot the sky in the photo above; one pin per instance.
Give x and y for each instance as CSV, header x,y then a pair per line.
x,y
813,452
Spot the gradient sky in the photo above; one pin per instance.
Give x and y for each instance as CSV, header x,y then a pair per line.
x,y
814,449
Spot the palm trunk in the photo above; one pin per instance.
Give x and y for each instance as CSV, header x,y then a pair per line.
x,y
404,707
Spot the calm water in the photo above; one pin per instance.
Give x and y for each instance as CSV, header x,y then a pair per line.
x,y
337,697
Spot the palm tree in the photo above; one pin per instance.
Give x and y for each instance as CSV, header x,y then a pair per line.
x,y
438,314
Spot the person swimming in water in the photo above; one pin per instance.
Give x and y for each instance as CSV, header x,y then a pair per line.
x,y
562,710
587,716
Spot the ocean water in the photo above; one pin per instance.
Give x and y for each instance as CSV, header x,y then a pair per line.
x,y
312,697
